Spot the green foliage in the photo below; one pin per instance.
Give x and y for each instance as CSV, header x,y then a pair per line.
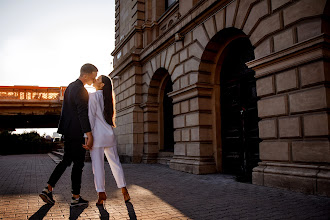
x,y
26,143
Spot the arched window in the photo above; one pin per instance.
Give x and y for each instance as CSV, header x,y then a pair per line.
x,y
168,3
167,107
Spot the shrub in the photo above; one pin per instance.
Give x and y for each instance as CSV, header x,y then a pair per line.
x,y
26,143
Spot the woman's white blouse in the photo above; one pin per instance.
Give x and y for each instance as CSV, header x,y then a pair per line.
x,y
103,135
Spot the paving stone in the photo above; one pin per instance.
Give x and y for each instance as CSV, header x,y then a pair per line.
x,y
157,192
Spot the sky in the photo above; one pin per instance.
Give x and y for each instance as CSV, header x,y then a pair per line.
x,y
45,42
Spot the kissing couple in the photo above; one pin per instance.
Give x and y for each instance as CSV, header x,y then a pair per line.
x,y
87,123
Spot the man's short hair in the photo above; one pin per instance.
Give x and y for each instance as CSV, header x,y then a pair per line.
x,y
88,69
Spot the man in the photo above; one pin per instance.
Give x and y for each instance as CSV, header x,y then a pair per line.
x,y
74,123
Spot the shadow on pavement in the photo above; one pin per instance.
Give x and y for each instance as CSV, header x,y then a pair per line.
x,y
104,214
131,211
42,212
76,211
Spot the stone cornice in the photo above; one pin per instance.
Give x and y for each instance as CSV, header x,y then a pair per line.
x,y
297,51
196,90
149,106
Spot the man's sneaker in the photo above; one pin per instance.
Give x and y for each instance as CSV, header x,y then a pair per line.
x,y
47,196
78,202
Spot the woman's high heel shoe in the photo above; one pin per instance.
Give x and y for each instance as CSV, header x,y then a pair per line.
x,y
125,194
102,197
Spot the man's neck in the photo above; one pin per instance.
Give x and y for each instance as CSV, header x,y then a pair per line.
x,y
82,80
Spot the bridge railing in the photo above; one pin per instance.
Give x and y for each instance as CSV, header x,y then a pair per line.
x,y
31,94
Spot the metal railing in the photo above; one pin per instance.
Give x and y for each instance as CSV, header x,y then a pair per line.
x,y
31,94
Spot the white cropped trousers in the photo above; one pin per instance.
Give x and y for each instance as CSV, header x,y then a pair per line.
x,y
97,156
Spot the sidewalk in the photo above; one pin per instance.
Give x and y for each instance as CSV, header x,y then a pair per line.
x,y
156,191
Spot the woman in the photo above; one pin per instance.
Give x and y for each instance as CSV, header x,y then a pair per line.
x,y
102,112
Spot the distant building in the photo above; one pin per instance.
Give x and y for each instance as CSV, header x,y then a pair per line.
x,y
217,86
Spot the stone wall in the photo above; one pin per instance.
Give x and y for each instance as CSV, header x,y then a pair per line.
x,y
187,42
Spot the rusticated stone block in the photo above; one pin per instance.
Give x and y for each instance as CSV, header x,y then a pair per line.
x,y
201,134
219,18
177,71
258,178
193,78
210,27
194,49
283,40
278,3
302,9
197,118
230,12
198,149
289,127
274,106
179,121
148,116
183,55
258,175
200,35
128,128
323,181
176,85
162,59
187,39
316,124
308,100
312,73
169,54
265,27
308,30
311,151
256,12
265,86
138,128
185,106
191,64
323,187
286,80
294,183
185,134
178,45
267,129
200,104
173,68
263,49
241,13
177,135
274,151
151,137
176,108
180,149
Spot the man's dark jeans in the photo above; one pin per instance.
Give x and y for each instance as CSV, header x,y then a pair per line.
x,y
73,152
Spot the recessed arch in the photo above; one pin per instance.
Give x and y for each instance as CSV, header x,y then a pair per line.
x,y
158,112
215,61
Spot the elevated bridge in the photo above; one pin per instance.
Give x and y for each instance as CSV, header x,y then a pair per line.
x,y
30,106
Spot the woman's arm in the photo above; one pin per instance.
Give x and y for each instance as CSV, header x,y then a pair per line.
x,y
92,107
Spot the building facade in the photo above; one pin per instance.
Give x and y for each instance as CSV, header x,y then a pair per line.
x,y
230,86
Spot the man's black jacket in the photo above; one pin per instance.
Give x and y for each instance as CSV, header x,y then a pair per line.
x,y
74,120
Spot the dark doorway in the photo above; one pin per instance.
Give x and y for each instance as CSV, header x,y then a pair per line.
x,y
239,113
168,118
